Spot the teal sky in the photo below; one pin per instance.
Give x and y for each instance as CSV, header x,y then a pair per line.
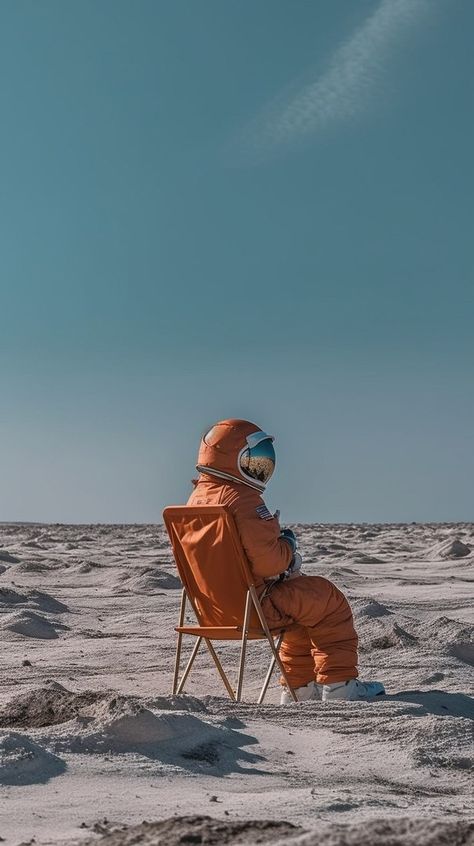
x,y
251,209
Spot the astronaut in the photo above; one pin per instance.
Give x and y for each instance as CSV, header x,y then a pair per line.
x,y
236,460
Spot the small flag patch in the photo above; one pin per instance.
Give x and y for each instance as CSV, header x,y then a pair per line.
x,y
264,513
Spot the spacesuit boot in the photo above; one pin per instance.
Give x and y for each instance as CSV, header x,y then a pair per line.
x,y
351,690
308,691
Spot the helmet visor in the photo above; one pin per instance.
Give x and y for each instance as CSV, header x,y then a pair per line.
x,y
258,462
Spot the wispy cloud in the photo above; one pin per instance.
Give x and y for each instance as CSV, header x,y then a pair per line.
x,y
349,82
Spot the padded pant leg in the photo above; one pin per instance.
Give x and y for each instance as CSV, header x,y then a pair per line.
x,y
295,653
324,646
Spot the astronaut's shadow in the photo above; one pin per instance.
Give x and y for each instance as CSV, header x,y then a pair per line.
x,y
437,702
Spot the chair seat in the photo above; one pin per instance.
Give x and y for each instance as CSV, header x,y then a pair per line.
x,y
227,632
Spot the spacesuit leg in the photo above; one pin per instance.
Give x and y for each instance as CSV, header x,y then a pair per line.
x,y
320,607
296,657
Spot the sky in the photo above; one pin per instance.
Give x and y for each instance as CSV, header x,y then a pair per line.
x,y
237,209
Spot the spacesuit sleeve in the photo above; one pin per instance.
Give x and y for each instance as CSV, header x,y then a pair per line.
x,y
259,531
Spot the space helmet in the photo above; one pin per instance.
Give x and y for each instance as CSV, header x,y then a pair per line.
x,y
239,451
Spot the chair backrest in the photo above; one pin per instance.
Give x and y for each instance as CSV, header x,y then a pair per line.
x,y
211,563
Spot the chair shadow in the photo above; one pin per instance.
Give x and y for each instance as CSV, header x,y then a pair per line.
x,y
437,702
175,739
221,753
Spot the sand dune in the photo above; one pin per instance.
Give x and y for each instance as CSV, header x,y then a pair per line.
x,y
88,729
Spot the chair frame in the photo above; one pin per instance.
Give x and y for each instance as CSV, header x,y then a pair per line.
x,y
252,601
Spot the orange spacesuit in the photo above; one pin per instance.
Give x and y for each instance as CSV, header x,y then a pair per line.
x,y
235,461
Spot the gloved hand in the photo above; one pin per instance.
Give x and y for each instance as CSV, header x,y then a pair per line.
x,y
289,536
294,568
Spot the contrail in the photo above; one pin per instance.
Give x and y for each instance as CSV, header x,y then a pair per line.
x,y
343,89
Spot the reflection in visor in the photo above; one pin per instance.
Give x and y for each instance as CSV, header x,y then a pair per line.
x,y
259,461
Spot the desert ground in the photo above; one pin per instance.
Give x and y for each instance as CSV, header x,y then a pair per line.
x,y
93,748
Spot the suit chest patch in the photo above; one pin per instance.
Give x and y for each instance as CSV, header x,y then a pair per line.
x,y
264,513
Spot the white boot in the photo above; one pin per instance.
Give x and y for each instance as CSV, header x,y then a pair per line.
x,y
308,691
351,690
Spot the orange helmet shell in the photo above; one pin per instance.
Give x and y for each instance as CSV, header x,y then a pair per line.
x,y
221,447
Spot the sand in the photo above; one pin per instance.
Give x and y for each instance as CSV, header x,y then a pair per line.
x,y
92,744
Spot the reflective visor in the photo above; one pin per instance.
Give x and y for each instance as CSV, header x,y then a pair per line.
x,y
258,462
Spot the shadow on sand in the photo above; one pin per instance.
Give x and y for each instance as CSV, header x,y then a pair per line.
x,y
437,702
219,752
22,761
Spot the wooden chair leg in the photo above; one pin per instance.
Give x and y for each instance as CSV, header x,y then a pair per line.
x,y
265,628
177,659
220,670
189,665
270,671
243,649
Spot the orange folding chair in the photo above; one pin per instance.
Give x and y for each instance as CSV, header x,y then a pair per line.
x,y
218,584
